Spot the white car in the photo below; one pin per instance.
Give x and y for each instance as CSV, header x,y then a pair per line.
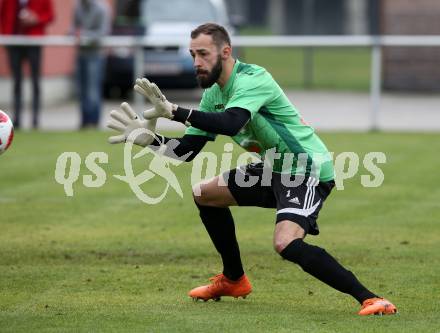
x,y
167,66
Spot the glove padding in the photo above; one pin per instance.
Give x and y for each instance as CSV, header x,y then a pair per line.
x,y
162,108
125,120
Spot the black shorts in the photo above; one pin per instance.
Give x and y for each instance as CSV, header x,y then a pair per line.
x,y
300,201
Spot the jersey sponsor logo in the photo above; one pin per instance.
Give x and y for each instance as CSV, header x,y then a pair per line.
x,y
219,106
295,201
308,207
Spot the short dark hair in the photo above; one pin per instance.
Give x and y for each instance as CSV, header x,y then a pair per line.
x,y
218,33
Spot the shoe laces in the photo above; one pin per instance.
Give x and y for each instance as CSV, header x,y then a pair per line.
x,y
371,301
217,279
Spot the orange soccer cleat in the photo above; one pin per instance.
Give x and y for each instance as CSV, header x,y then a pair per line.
x,y
222,286
377,306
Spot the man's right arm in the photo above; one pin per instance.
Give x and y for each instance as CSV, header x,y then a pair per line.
x,y
184,148
127,122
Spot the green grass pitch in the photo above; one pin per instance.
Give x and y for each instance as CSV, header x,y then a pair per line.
x,y
333,68
103,261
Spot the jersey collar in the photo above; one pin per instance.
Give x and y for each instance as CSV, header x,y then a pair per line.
x,y
231,79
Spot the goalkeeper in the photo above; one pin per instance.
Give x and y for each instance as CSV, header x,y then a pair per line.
x,y
244,101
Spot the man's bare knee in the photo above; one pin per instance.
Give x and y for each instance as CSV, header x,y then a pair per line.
x,y
212,193
201,195
280,244
285,233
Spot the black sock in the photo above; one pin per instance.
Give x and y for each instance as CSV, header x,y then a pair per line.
x,y
321,265
220,226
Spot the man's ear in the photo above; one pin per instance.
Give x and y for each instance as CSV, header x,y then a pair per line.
x,y
226,52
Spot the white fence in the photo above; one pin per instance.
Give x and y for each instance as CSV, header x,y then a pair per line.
x,y
376,43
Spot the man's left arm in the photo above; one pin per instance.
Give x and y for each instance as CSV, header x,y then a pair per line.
x,y
229,122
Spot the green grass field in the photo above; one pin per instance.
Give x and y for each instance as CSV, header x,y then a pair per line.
x,y
333,68
103,261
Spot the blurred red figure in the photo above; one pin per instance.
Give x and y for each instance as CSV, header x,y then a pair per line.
x,y
29,18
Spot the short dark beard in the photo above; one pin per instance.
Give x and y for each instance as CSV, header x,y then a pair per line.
x,y
212,76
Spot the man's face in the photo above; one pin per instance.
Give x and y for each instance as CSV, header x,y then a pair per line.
x,y
207,60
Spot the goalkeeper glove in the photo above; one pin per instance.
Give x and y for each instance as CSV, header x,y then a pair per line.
x,y
162,107
125,120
